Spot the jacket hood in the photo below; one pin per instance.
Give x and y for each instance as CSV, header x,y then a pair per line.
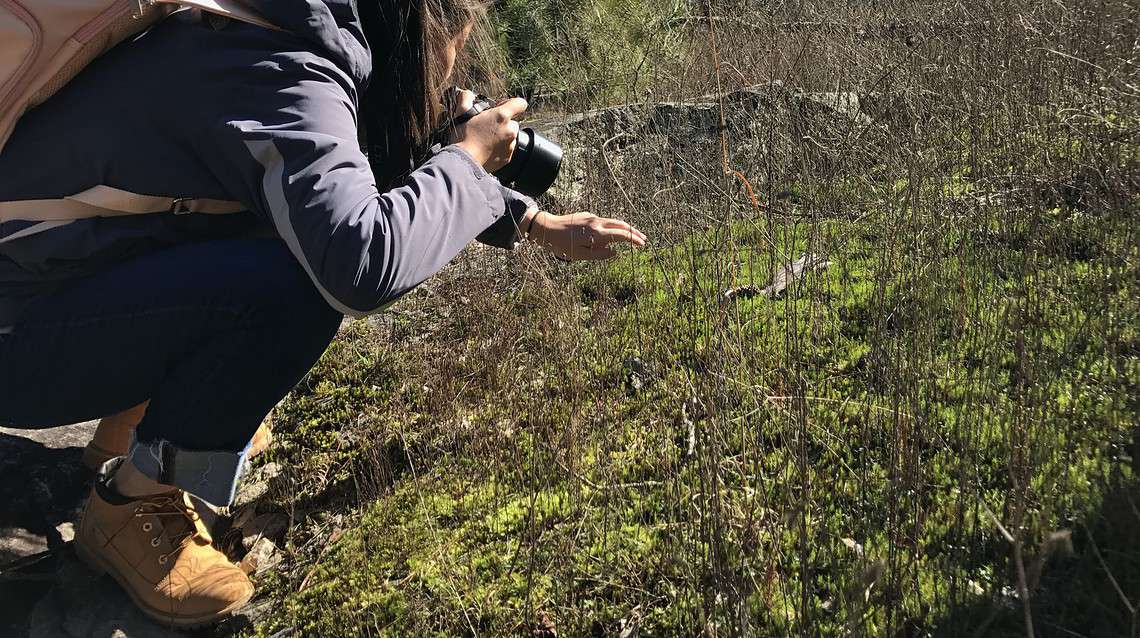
x,y
334,26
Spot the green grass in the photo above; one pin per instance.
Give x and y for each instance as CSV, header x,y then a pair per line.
x,y
619,444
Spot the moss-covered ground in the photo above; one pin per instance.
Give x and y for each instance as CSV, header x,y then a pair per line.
x,y
881,449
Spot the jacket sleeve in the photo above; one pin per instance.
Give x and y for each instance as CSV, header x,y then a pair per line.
x,y
304,170
506,233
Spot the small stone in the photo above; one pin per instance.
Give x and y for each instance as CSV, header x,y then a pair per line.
x,y
256,484
269,526
262,557
244,516
66,532
20,543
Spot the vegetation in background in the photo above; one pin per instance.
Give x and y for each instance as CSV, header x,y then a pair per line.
x,y
933,432
582,53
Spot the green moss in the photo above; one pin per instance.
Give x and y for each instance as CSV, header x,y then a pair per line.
x,y
875,402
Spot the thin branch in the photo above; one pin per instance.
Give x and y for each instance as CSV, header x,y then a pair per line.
x,y
1019,563
1119,591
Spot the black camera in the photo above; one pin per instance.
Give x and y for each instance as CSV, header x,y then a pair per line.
x,y
537,161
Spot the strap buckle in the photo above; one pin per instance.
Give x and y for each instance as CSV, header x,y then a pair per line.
x,y
182,206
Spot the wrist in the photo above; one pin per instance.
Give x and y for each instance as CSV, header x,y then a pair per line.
x,y
475,153
528,221
545,229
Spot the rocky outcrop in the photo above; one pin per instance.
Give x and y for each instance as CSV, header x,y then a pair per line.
x,y
659,140
700,117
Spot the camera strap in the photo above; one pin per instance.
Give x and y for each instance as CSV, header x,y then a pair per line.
x,y
482,103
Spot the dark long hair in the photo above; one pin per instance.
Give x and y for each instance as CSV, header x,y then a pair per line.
x,y
401,108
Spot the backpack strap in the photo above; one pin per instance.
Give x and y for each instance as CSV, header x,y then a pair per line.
x,y
234,9
104,201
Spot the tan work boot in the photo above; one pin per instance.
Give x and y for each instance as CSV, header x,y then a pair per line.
x,y
113,437
161,554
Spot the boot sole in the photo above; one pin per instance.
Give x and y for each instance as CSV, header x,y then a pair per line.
x,y
97,565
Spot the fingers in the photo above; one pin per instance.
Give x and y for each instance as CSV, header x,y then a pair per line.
x,y
459,101
617,224
464,103
513,108
610,235
587,237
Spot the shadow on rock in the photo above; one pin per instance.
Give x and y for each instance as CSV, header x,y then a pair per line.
x,y
43,484
41,488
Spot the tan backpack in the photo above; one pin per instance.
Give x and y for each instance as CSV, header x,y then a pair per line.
x,y
46,43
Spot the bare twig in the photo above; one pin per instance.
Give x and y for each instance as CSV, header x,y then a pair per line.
x,y
1019,564
1115,585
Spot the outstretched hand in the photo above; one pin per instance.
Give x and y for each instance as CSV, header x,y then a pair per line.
x,y
583,236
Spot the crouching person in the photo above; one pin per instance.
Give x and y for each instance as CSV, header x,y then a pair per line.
x,y
184,325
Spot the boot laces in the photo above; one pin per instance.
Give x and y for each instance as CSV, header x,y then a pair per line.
x,y
184,527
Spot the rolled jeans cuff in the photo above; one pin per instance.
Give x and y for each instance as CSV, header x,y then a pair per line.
x,y
211,476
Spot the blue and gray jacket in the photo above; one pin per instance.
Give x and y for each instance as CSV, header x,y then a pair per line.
x,y
224,110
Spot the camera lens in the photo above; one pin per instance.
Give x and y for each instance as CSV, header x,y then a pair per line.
x,y
535,165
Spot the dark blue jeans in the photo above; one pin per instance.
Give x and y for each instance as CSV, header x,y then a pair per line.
x,y
213,334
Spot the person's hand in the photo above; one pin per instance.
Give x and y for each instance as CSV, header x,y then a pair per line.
x,y
583,236
490,137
